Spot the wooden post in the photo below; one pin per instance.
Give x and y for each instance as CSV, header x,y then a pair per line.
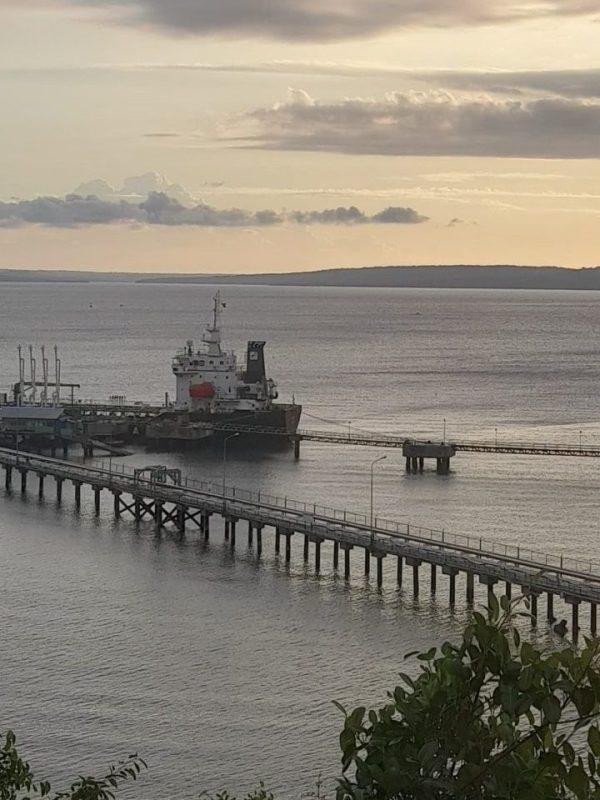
x,y
347,563
306,544
379,571
317,556
226,530
593,620
533,606
416,579
41,484
277,540
7,477
59,485
250,534
78,495
453,589
97,491
575,619
508,590
23,481
336,554
399,571
117,503
259,540
232,536
367,561
158,513
550,608
297,448
470,588
288,549
433,579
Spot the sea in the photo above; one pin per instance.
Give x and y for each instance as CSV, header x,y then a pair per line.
x,y
221,669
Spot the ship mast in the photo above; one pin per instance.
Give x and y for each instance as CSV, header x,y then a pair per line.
x,y
212,334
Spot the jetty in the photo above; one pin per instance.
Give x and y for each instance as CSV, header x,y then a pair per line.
x,y
169,499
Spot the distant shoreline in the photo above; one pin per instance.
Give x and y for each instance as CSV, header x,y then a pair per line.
x,y
415,277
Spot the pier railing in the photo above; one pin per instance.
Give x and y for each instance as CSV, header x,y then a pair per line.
x,y
394,528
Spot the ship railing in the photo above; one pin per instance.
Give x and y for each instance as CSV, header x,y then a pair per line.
x,y
405,529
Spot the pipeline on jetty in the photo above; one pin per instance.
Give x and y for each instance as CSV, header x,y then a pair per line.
x,y
168,499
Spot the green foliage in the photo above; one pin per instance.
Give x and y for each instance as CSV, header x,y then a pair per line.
x,y
491,718
17,780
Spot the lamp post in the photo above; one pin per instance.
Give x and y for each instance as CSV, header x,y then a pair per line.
x,y
375,461
225,440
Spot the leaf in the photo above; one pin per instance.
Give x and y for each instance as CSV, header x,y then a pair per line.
x,y
577,781
551,709
594,740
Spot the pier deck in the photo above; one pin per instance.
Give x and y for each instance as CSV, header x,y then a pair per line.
x,y
194,502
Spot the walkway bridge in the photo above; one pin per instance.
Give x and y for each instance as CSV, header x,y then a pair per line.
x,y
405,443
178,502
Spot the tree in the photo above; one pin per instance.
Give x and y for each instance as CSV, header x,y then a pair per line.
x,y
17,781
491,718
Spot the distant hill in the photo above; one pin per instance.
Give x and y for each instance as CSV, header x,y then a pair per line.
x,y
433,277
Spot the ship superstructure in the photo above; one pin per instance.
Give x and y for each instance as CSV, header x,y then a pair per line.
x,y
208,380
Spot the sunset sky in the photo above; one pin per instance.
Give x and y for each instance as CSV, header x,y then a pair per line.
x,y
277,135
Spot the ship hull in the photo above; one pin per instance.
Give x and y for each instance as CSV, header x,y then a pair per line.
x,y
275,425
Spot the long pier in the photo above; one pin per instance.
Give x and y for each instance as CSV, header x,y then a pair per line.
x,y
416,449
170,500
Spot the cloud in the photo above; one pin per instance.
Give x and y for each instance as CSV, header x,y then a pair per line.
x,y
434,123
159,209
325,20
137,187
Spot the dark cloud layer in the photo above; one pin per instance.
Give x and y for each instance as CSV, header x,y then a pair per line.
x,y
432,124
326,19
159,209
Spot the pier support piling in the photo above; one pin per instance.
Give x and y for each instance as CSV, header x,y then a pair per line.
x,y
433,579
367,561
550,608
380,557
23,481
97,491
317,556
347,549
297,448
416,579
336,554
277,540
288,547
593,619
470,588
306,544
508,590
259,539
59,487
78,496
399,564
41,477
7,477
117,503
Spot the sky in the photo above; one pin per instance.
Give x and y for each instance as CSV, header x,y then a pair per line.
x,y
230,136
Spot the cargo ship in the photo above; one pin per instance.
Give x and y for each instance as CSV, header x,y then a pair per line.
x,y
211,389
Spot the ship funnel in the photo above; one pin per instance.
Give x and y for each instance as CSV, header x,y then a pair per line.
x,y
255,363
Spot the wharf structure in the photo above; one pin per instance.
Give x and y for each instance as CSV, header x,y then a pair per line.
x,y
168,499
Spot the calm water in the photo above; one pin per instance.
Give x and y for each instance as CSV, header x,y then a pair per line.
x,y
218,669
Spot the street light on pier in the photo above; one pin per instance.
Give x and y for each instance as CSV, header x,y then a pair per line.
x,y
375,461
225,440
